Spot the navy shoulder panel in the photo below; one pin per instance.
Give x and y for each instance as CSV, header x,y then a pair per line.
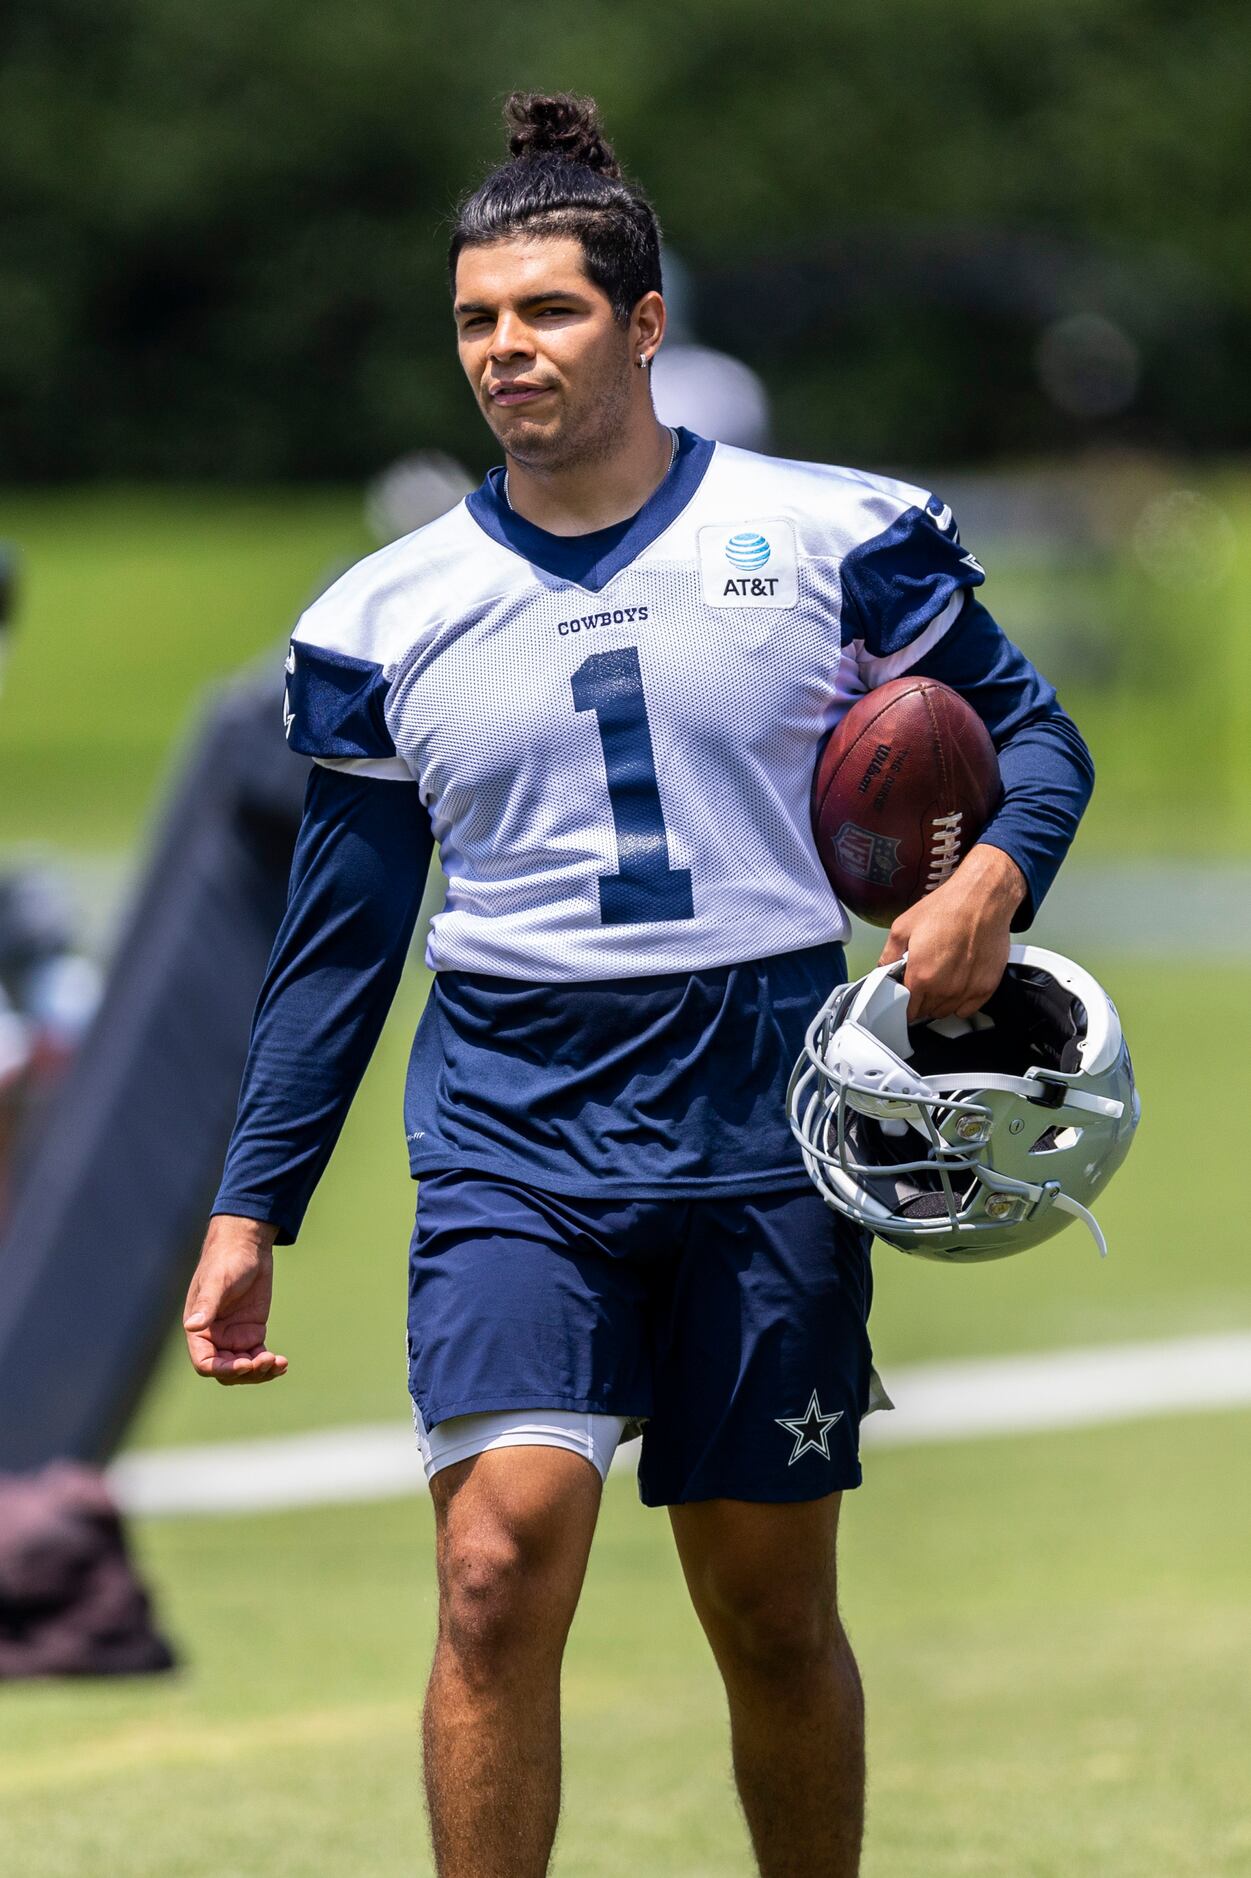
x,y
897,582
334,704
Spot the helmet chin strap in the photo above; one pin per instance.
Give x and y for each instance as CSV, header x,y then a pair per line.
x,y
1063,1204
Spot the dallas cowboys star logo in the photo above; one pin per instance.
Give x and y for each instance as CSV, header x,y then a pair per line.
x,y
811,1430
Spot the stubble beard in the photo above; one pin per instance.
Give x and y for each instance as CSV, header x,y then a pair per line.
x,y
585,439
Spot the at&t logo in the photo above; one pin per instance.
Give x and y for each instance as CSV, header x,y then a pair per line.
x,y
748,551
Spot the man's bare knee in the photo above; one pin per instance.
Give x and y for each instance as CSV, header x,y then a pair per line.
x,y
763,1581
768,1628
483,1598
503,1604
512,1553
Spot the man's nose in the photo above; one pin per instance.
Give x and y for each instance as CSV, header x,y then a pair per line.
x,y
511,338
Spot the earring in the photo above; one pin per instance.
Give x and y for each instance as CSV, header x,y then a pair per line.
x,y
644,361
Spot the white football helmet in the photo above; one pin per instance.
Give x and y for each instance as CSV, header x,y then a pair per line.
x,y
972,1138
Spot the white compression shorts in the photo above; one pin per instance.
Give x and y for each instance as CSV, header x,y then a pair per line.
x,y
595,1437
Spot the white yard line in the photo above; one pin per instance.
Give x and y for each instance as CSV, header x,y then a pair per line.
x,y
378,1461
1012,1395
1001,1395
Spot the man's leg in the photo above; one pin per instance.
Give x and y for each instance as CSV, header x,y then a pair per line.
x,y
514,1531
762,1579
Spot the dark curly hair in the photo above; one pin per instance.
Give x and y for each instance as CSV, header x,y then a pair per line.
x,y
563,179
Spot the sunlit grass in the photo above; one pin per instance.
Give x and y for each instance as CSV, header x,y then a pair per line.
x,y
1054,1634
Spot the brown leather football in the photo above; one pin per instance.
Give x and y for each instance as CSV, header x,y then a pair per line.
x,y
903,788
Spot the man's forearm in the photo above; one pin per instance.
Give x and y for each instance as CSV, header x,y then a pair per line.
x,y
994,877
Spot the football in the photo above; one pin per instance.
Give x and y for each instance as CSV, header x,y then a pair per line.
x,y
902,790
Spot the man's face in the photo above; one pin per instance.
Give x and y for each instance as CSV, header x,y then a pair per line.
x,y
547,361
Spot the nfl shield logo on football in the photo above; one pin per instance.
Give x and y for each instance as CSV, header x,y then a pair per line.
x,y
749,564
868,856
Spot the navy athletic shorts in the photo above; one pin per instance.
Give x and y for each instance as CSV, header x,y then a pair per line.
x,y
738,1328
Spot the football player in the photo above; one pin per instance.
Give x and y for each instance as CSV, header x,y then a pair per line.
x,y
600,684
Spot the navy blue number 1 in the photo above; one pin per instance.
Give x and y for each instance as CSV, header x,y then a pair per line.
x,y
646,888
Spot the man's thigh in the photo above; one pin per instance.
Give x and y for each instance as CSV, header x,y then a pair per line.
x,y
520,1299
761,1360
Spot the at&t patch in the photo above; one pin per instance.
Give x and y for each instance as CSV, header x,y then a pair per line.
x,y
751,564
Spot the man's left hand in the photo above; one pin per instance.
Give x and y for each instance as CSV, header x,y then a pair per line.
x,y
957,937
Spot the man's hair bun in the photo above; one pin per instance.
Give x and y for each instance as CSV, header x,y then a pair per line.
x,y
562,179
558,125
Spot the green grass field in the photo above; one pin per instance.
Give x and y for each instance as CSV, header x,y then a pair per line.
x,y
131,604
1054,1633
1054,1629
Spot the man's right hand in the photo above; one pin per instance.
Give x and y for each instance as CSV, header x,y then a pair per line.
x,y
228,1303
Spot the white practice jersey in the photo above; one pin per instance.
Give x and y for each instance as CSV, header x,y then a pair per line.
x,y
615,734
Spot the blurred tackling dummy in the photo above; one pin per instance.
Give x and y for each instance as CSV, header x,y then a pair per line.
x,y
70,1601
133,1139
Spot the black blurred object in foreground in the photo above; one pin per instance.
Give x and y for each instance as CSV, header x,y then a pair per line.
x,y
70,1603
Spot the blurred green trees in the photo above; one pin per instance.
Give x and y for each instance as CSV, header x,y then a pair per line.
x,y
223,226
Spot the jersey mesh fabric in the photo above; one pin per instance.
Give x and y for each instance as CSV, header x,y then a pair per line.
x,y
527,836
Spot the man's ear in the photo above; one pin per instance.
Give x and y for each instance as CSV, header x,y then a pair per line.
x,y
647,326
